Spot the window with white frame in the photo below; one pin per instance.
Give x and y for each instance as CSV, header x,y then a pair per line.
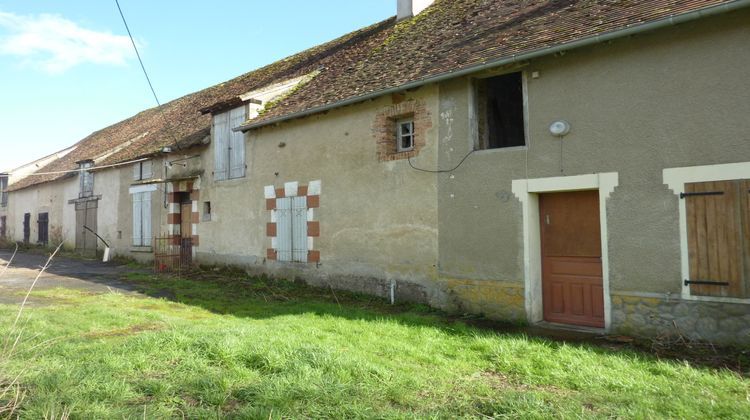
x,y
142,170
405,135
142,218
87,179
229,145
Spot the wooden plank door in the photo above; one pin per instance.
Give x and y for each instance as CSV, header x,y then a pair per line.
x,y
26,227
90,240
86,242
186,220
80,222
572,285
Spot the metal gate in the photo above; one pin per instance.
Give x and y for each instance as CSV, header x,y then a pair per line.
x,y
172,255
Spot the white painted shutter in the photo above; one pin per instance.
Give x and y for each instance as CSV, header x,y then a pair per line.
x,y
137,220
299,229
146,218
236,143
221,146
284,229
146,171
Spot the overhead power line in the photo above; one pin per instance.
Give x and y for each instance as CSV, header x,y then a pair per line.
x,y
145,73
140,60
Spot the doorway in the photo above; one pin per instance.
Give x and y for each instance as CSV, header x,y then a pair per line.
x,y
43,228
186,229
26,227
571,251
86,241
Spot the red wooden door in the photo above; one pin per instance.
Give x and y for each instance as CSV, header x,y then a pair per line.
x,y
572,284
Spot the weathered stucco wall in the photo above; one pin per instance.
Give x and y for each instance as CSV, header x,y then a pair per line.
x,y
378,220
120,232
51,198
107,185
676,97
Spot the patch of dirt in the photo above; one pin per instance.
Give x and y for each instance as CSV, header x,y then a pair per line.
x,y
121,332
500,381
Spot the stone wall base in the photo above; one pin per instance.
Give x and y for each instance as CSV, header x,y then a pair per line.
x,y
716,322
497,300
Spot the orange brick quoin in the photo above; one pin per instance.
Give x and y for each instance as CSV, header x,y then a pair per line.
x,y
177,190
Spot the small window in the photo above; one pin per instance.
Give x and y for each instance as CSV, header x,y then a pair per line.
x,y
500,112
206,211
87,179
405,135
2,227
142,170
3,190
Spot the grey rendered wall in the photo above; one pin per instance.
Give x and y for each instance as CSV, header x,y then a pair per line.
x,y
51,197
120,232
677,97
378,220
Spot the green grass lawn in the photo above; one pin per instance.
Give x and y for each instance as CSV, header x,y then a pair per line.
x,y
251,348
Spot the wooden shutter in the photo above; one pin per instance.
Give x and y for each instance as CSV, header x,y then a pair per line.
x,y
745,210
299,229
236,143
715,248
284,229
146,169
137,219
221,146
146,218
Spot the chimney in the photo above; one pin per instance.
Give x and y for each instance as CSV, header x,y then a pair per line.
x,y
409,8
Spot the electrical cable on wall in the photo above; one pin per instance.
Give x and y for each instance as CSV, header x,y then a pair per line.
x,y
440,171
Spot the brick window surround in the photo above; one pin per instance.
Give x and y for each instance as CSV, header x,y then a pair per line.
x,y
384,129
294,189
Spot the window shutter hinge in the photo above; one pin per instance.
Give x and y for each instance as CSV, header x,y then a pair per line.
x,y
706,283
695,194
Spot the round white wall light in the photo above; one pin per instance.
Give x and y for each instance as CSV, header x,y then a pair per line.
x,y
559,128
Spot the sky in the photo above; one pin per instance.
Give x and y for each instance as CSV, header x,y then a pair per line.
x,y
67,67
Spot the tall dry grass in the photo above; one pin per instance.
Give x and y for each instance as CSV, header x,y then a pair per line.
x,y
11,392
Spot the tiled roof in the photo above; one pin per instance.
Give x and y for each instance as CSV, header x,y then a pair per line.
x,y
455,34
181,122
448,36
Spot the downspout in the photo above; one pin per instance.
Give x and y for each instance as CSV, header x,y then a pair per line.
x,y
597,39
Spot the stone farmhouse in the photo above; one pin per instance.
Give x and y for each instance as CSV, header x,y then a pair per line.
x,y
571,163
